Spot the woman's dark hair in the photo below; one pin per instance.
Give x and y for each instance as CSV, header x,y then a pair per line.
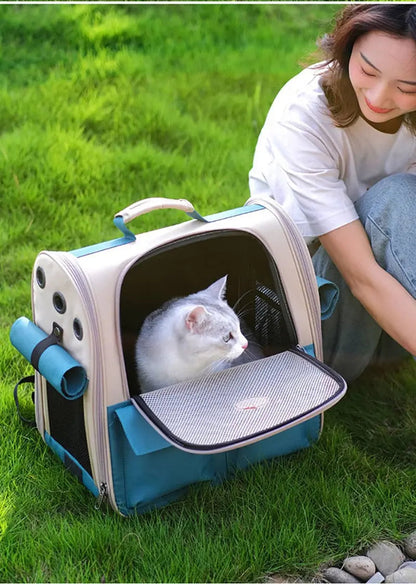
x,y
398,20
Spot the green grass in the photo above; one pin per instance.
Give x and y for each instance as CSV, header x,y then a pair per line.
x,y
104,105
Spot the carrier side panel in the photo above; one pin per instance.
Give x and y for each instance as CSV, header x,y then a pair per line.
x,y
56,300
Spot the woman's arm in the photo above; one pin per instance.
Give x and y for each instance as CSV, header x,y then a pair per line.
x,y
385,299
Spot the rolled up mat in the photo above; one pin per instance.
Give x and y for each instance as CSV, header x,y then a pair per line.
x,y
65,374
328,296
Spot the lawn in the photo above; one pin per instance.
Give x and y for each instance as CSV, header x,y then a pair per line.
x,y
104,105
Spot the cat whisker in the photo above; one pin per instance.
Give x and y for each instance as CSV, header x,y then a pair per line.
x,y
252,355
253,343
244,296
243,308
242,314
243,303
218,367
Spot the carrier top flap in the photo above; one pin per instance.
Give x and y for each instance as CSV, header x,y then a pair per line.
x,y
243,404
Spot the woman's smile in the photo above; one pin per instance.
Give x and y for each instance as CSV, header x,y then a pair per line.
x,y
378,110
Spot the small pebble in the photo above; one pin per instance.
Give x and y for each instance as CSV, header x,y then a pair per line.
x,y
386,556
360,566
408,565
405,575
339,576
376,579
410,545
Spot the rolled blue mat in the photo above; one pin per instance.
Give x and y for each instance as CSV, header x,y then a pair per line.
x,y
65,374
328,296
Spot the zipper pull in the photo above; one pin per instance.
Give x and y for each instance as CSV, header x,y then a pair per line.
x,y
101,496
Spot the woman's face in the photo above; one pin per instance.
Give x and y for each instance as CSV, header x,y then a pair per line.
x,y
382,72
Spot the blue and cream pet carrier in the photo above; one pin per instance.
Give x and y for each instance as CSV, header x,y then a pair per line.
x,y
140,450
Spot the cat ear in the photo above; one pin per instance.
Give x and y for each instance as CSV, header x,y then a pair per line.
x,y
217,289
195,318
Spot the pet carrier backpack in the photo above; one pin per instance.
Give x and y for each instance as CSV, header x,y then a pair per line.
x,y
141,450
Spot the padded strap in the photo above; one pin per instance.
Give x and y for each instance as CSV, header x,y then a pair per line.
x,y
28,379
40,348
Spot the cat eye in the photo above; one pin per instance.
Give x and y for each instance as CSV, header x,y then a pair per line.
x,y
227,338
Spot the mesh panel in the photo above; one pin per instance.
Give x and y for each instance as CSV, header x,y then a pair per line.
x,y
242,403
263,317
67,427
270,328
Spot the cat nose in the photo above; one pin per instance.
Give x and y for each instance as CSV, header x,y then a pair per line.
x,y
244,345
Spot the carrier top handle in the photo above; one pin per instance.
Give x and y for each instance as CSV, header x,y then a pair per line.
x,y
152,204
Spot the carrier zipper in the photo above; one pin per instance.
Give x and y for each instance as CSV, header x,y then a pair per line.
x,y
88,301
312,296
102,496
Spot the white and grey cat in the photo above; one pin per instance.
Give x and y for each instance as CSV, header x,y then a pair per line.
x,y
188,337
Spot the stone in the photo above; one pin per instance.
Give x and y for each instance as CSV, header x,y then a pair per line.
x,y
408,565
376,579
406,575
410,545
339,576
386,556
360,566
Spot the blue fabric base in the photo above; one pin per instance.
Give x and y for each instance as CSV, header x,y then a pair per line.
x,y
149,472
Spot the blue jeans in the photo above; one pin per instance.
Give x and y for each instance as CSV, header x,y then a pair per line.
x,y
352,339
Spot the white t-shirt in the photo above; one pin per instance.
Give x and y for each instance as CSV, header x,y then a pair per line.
x,y
315,170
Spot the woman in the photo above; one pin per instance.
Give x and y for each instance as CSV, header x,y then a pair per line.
x,y
338,151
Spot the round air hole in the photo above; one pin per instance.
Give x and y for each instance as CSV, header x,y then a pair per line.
x,y
78,330
40,277
59,302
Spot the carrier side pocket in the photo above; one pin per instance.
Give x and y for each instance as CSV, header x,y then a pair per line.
x,y
149,472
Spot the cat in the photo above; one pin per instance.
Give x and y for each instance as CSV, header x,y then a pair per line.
x,y
187,338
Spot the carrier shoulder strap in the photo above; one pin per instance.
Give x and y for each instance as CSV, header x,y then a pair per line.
x,y
28,379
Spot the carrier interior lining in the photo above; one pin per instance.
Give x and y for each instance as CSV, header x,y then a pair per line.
x,y
192,264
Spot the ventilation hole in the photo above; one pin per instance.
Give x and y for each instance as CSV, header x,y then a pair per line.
x,y
40,277
78,330
59,302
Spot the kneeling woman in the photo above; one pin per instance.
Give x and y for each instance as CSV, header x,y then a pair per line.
x,y
338,151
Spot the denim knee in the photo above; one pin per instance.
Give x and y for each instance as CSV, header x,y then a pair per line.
x,y
388,199
388,213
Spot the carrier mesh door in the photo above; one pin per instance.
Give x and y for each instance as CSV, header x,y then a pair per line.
x,y
242,404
